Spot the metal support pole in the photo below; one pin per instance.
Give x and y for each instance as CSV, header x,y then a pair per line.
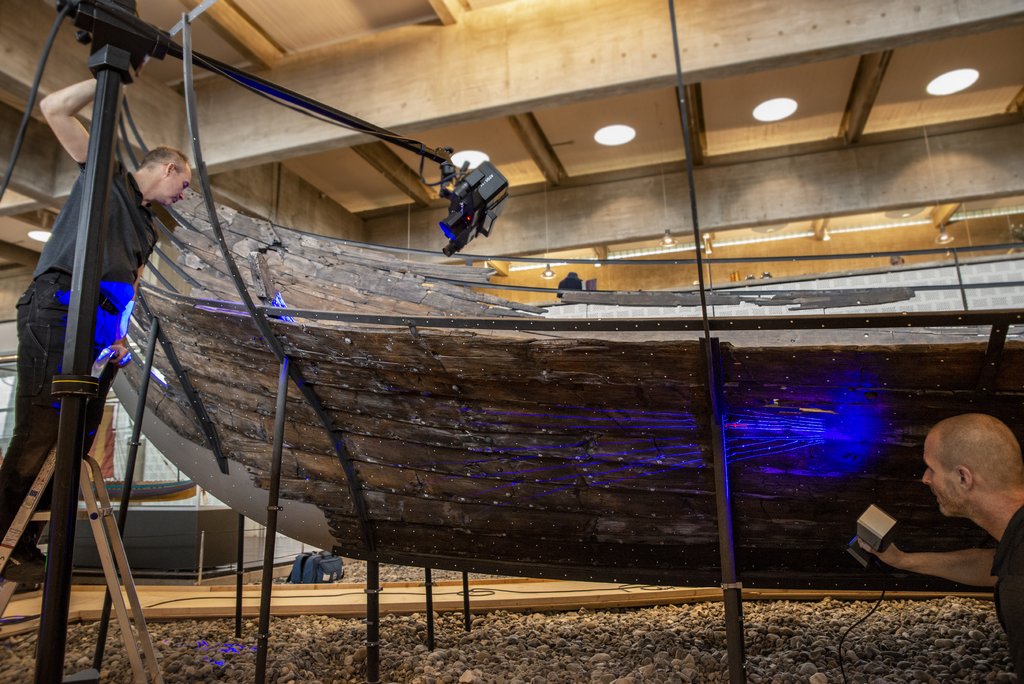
x,y
731,586
960,278
272,509
129,478
428,588
239,572
110,64
466,618
372,622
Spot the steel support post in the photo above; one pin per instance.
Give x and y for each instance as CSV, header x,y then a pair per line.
x,y
467,619
372,622
428,589
129,479
239,573
267,583
110,64
731,586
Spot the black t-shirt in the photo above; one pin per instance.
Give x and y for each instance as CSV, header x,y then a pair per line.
x,y
1009,568
129,238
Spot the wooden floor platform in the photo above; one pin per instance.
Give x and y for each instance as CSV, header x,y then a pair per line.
x,y
349,600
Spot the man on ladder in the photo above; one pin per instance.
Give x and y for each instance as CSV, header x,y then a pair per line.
x,y
42,310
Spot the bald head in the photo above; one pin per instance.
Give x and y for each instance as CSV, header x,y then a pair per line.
x,y
982,443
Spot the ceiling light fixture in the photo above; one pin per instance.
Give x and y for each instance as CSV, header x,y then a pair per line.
x,y
775,109
548,274
708,241
943,238
474,157
616,134
667,239
825,235
39,235
952,82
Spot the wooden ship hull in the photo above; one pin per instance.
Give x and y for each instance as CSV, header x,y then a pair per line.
x,y
573,454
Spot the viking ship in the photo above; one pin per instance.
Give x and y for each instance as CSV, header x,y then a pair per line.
x,y
428,422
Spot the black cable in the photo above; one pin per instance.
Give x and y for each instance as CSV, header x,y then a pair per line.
x,y
839,647
19,139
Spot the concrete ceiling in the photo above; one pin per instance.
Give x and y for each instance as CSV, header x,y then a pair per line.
x,y
476,74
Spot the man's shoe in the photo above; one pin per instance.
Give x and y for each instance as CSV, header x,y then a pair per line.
x,y
26,567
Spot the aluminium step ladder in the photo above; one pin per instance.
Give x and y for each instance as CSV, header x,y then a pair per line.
x,y
138,643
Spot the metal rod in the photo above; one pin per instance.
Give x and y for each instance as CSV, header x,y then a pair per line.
x,y
202,552
466,617
960,279
428,588
372,622
267,582
129,479
239,572
110,64
731,587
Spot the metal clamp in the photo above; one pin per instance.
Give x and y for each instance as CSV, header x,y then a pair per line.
x,y
732,585
76,385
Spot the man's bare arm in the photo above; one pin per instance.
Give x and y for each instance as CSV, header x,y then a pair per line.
x,y
966,566
60,108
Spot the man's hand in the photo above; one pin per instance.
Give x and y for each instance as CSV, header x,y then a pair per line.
x,y
122,356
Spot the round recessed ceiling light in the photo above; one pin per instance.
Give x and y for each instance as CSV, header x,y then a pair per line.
x,y
952,82
474,157
616,134
902,213
775,109
39,235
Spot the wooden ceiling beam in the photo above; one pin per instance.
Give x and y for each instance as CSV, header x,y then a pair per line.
x,y
35,167
1017,104
820,228
18,254
694,100
866,82
966,166
448,11
390,165
235,27
158,110
15,203
517,57
537,144
943,212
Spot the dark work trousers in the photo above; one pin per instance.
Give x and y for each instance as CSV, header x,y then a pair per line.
x,y
42,322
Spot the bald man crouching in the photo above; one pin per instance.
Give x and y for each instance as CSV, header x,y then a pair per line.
x,y
974,468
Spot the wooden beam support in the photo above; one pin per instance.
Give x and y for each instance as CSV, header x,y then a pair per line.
x,y
231,24
870,72
537,144
500,267
964,166
15,203
820,228
942,213
18,255
1017,104
273,192
448,11
159,111
390,165
507,51
695,119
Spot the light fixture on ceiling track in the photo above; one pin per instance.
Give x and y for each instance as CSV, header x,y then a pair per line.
x,y
548,274
667,239
708,244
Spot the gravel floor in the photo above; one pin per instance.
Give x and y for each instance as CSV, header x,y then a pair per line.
x,y
945,640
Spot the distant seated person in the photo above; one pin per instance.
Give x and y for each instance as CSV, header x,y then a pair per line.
x,y
570,282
